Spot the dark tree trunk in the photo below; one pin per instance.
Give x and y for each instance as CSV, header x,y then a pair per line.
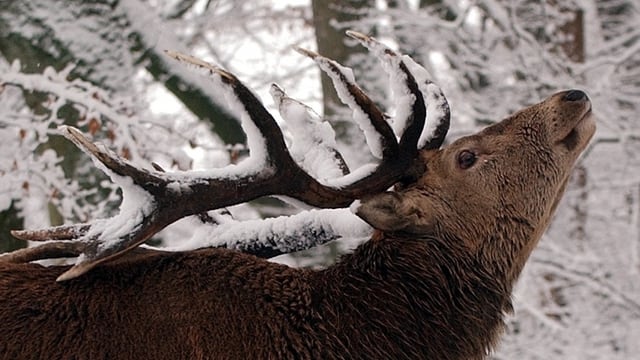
x,y
331,40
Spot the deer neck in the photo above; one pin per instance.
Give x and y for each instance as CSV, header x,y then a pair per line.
x,y
419,291
504,252
505,248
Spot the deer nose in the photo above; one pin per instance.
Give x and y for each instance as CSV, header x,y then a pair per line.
x,y
575,95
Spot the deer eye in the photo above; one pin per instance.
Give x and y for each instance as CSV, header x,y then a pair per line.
x,y
466,159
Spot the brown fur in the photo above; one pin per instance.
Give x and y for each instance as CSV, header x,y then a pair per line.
x,y
434,282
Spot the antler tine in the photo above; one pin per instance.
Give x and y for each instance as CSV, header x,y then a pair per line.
x,y
64,232
52,250
111,162
261,119
437,108
411,111
313,140
378,133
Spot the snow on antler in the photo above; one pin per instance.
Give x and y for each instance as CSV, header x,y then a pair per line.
x,y
392,63
313,143
345,85
399,67
281,235
438,111
255,139
162,198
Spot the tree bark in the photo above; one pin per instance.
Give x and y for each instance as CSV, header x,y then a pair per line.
x,y
331,40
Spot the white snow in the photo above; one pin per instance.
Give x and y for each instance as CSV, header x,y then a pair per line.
x,y
402,97
136,204
77,91
286,233
313,144
434,99
373,138
357,174
355,206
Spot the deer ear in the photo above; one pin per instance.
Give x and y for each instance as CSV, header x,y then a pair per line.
x,y
388,212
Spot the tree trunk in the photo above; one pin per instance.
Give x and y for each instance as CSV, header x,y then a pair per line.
x,y
331,40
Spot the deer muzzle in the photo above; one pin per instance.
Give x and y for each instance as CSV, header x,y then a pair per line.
x,y
580,126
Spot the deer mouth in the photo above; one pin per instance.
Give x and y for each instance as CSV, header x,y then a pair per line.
x,y
578,137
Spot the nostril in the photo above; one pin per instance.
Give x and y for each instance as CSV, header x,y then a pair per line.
x,y
575,95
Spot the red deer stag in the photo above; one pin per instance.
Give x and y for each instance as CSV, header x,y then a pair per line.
x,y
433,282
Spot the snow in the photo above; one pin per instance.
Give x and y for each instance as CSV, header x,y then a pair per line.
x,y
355,206
77,91
434,99
136,204
373,138
403,99
286,233
357,174
313,144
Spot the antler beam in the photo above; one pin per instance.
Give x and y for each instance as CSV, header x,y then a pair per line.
x,y
155,199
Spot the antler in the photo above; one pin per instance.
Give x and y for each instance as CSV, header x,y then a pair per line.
x,y
154,199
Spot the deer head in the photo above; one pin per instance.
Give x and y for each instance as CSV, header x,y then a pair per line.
x,y
471,192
